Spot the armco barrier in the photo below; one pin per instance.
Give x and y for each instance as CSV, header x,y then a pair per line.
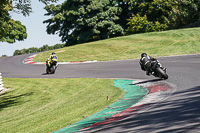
x,y
1,83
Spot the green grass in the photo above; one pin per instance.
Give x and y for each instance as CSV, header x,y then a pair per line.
x,y
46,105
173,42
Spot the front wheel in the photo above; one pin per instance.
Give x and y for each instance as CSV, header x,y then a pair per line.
x,y
47,70
53,68
162,74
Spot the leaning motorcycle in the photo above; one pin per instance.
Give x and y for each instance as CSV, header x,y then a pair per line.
x,y
52,68
157,70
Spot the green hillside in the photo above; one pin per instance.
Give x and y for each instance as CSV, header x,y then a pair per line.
x,y
173,42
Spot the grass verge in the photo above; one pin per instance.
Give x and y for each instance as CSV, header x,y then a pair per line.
x,y
46,105
173,42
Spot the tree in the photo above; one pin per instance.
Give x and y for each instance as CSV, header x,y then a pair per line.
x,y
173,13
155,10
4,56
17,52
184,12
45,48
24,6
158,15
5,7
12,30
35,50
78,21
127,9
57,46
138,24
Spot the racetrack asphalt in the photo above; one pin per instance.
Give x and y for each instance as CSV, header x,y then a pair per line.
x,y
178,113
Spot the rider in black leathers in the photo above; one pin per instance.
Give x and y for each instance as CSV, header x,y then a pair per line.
x,y
145,63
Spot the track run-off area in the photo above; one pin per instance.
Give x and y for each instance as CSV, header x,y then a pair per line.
x,y
171,105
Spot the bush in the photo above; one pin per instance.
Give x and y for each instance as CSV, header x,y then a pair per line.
x,y
138,24
35,50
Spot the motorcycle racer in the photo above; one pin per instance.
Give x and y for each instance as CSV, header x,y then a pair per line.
x,y
51,59
146,62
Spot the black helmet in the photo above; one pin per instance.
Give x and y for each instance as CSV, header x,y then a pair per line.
x,y
143,55
53,53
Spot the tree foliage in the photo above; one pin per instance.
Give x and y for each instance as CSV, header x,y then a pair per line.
x,y
12,30
79,21
24,6
138,24
4,55
5,7
166,14
184,12
35,50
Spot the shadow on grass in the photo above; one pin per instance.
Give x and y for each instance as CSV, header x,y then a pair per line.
x,y
8,100
180,114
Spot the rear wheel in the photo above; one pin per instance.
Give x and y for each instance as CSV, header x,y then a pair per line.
x,y
162,74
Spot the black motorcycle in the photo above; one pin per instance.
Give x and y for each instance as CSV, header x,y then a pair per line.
x,y
157,70
52,68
